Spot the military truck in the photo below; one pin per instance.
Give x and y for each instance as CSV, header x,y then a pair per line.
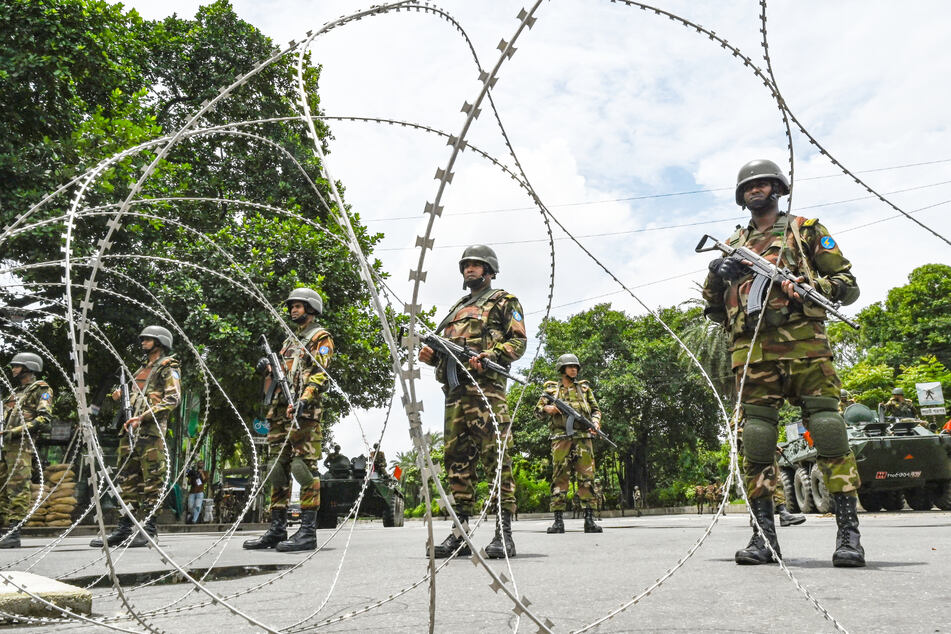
x,y
899,461
340,486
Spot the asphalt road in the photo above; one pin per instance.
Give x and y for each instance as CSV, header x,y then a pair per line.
x,y
571,579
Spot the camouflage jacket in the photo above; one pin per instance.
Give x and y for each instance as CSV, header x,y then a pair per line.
x,y
901,409
29,406
157,391
489,320
790,329
580,396
306,356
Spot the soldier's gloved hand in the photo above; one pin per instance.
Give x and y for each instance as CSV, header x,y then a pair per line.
x,y
729,269
262,366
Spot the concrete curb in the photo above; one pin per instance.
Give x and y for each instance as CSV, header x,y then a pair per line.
x,y
13,601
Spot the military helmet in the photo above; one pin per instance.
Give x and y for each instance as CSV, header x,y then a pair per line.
x,y
566,360
30,361
480,253
308,296
159,333
755,170
898,392
844,394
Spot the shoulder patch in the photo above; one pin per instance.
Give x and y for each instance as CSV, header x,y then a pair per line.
x,y
176,374
827,242
45,396
810,222
517,316
323,349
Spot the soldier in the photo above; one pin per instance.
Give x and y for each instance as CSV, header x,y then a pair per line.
x,y
490,321
638,501
791,358
898,407
28,409
332,457
155,395
575,453
845,399
306,356
378,460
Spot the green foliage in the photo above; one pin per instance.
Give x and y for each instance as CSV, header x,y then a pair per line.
x,y
868,383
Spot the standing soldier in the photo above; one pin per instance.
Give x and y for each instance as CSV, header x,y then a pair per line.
x,y
574,453
638,500
491,322
28,409
898,407
306,356
845,399
155,395
378,460
791,358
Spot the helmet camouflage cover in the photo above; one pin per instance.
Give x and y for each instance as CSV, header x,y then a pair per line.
x,y
30,361
898,392
566,360
307,296
756,170
160,334
480,253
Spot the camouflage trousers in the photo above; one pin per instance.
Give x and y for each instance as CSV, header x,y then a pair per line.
x,y
572,455
142,477
299,457
768,384
470,439
17,465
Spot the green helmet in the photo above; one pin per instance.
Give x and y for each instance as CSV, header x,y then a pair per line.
x,y
160,334
30,361
844,394
566,360
755,170
480,253
898,392
308,296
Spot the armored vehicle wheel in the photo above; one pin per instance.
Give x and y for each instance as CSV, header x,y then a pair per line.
x,y
942,496
803,491
918,498
871,501
893,500
787,479
393,514
820,493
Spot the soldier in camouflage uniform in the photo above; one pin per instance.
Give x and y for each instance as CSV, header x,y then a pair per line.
x,y
490,321
791,358
898,406
575,453
28,409
306,357
378,460
845,399
155,394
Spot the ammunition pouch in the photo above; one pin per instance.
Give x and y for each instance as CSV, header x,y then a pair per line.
x,y
760,433
826,426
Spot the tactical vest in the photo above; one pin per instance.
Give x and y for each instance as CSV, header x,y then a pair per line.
x,y
467,323
574,396
293,354
14,408
145,379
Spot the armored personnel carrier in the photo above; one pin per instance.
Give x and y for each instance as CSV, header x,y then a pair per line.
x,y
340,486
899,461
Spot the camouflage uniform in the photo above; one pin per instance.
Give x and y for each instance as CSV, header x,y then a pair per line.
x,y
573,453
29,406
491,320
791,358
901,409
378,460
157,393
308,380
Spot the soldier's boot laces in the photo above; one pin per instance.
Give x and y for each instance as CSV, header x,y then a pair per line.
x,y
590,526
789,519
502,543
756,551
306,536
276,532
559,524
848,549
119,534
139,541
451,543
12,540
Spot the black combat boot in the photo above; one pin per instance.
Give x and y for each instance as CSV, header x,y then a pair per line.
x,y
119,534
503,532
559,525
848,549
276,532
589,524
139,541
756,551
451,543
306,536
12,540
789,519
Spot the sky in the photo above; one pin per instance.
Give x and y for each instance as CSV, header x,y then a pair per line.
x,y
627,124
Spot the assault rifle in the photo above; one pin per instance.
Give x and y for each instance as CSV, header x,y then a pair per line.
x,y
765,272
125,403
278,379
455,355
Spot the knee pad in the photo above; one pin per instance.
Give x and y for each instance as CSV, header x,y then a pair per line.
x,y
826,426
302,472
760,433
278,477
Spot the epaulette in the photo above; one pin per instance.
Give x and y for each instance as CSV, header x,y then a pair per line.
x,y
810,222
583,383
549,384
